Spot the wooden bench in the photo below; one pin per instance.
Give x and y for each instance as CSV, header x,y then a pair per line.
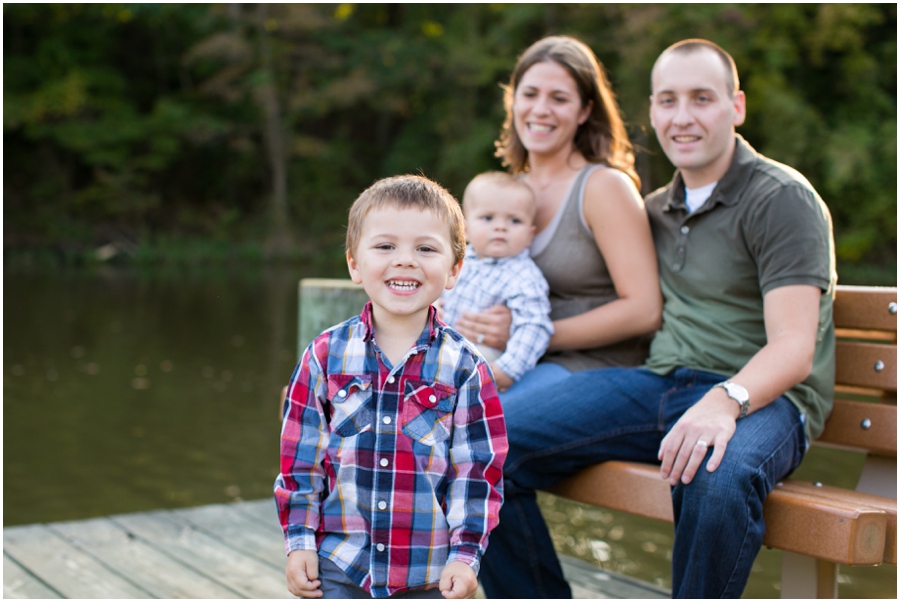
x,y
818,527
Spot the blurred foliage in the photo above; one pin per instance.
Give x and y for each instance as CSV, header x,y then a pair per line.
x,y
143,124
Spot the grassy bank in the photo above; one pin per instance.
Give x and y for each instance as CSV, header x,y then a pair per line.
x,y
321,259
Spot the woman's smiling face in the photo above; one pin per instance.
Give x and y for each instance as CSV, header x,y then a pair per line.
x,y
547,109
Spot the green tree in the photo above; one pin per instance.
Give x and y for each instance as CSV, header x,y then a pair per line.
x,y
262,123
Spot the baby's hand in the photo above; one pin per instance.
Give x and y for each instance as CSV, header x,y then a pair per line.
x,y
302,574
458,580
501,379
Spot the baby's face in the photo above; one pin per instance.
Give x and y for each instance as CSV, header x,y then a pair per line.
x,y
500,222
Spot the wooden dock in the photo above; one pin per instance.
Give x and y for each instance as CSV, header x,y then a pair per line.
x,y
217,551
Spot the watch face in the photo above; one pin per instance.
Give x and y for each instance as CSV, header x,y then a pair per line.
x,y
738,392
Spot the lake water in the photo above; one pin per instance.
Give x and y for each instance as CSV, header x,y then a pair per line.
x,y
131,390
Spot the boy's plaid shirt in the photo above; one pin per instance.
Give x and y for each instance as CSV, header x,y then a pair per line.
x,y
391,473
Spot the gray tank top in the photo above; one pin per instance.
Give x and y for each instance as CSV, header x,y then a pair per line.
x,y
579,281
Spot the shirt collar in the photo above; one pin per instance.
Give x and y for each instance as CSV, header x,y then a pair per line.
x,y
471,254
429,334
727,191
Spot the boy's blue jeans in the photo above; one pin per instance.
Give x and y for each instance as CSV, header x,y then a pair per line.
x,y
623,414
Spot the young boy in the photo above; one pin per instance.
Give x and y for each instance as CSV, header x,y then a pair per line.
x,y
500,211
393,440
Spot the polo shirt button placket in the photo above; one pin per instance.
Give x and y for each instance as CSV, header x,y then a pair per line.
x,y
680,248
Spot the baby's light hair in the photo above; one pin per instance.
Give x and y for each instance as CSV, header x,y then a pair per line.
x,y
500,179
405,192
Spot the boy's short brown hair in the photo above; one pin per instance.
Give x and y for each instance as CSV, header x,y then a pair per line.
x,y
501,179
405,192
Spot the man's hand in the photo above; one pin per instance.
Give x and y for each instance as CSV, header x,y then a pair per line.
x,y
489,327
302,574
708,423
501,379
791,317
458,580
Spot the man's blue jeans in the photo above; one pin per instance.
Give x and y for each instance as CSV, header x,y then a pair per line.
x,y
623,414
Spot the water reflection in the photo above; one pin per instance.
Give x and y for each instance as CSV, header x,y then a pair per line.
x,y
141,390
134,390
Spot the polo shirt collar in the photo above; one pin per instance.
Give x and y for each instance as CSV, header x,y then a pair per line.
x,y
727,191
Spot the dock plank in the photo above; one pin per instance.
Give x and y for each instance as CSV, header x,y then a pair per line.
x,y
238,530
63,567
265,513
20,584
145,564
218,551
246,575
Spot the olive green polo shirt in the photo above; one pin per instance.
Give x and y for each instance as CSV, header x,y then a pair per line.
x,y
764,226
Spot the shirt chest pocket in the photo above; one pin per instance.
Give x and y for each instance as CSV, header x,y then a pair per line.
x,y
427,411
352,410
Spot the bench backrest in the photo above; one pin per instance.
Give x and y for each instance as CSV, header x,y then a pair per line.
x,y
865,408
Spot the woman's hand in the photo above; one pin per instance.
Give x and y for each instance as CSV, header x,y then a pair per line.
x,y
489,327
501,379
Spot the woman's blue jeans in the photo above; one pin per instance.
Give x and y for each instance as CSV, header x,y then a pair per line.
x,y
623,414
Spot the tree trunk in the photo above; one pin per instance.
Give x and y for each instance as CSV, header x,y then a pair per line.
x,y
279,240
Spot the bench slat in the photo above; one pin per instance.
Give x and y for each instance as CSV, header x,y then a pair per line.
x,y
857,364
840,530
826,528
628,486
865,307
845,426
879,502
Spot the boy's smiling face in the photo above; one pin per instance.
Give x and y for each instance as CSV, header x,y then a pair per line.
x,y
404,260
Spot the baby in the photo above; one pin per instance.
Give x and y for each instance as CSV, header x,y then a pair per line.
x,y
499,211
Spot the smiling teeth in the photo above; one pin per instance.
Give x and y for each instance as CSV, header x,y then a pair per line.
x,y
539,128
685,138
404,285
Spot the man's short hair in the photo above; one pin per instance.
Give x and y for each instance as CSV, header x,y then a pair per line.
x,y
408,192
732,82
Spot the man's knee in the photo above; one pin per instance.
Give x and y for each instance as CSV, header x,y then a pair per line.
x,y
733,486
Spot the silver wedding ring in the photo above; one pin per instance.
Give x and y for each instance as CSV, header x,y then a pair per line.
x,y
480,338
702,443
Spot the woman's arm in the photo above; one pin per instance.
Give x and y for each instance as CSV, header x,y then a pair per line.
x,y
615,213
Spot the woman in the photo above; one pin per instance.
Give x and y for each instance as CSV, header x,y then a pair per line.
x,y
564,135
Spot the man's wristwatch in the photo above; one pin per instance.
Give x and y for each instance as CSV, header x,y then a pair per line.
x,y
737,393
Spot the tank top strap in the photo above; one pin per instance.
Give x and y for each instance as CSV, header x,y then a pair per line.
x,y
585,173
576,191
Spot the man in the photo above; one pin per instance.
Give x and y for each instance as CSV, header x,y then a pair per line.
x,y
740,376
